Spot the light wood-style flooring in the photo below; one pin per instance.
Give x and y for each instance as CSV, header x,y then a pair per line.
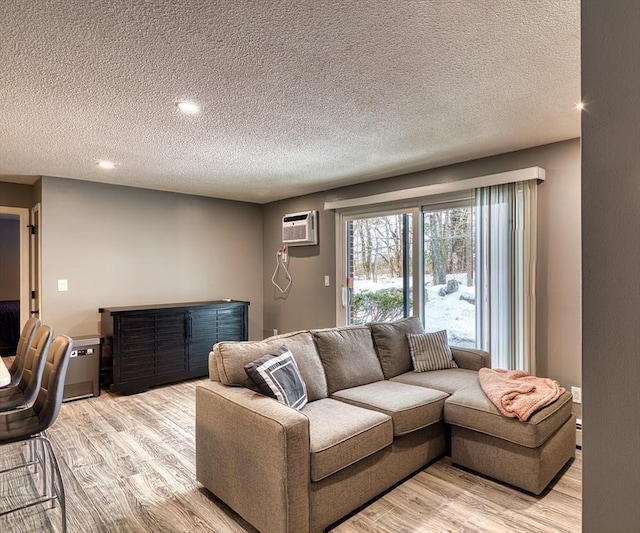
x,y
129,466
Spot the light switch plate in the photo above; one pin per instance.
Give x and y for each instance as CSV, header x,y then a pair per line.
x,y
326,281
63,285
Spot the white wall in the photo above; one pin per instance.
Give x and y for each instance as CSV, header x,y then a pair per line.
x,y
121,246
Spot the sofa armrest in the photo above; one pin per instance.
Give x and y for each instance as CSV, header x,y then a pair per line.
x,y
471,358
253,453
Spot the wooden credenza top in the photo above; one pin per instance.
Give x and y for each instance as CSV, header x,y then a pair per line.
x,y
184,305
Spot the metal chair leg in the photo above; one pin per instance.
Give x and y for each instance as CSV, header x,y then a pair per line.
x,y
53,484
31,460
41,456
32,455
59,485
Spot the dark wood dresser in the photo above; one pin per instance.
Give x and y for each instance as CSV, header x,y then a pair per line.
x,y
155,344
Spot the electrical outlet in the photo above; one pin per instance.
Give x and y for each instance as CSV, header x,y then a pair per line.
x,y
63,285
577,394
275,332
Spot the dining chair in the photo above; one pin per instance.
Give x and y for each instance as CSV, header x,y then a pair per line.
x,y
30,425
21,395
26,336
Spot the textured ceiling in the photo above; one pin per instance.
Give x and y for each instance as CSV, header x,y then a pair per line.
x,y
296,96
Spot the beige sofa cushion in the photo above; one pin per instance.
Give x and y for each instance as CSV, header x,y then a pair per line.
x,y
390,340
448,380
348,356
471,358
470,408
409,407
230,358
341,435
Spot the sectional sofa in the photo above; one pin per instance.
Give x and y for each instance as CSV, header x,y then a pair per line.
x,y
370,421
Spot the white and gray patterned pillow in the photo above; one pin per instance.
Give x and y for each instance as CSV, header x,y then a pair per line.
x,y
277,375
430,351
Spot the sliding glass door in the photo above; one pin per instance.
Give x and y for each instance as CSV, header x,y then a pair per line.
x,y
464,262
412,262
377,271
450,273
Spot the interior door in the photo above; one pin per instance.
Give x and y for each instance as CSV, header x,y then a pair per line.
x,y
21,217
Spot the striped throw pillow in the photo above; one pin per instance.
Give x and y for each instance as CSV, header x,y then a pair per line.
x,y
430,351
277,375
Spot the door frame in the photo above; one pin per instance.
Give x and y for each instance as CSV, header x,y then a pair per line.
x,y
25,275
35,261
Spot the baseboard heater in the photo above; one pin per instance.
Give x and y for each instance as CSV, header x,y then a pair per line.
x,y
579,433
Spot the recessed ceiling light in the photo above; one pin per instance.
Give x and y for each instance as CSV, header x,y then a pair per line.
x,y
107,165
580,106
188,108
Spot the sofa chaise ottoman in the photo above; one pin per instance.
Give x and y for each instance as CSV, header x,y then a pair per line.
x,y
525,454
370,422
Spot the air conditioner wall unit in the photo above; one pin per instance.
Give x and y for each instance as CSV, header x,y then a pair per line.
x,y
300,229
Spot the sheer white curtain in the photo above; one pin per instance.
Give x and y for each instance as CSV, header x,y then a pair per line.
x,y
505,269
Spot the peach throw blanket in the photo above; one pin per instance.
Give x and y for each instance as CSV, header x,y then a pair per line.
x,y
517,394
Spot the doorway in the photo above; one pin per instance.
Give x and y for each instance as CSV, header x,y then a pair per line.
x,y
14,276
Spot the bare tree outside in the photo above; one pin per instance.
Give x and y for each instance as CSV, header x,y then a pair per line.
x,y
377,259
376,271
449,281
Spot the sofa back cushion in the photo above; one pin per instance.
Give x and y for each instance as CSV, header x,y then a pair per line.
x,y
231,357
390,339
348,356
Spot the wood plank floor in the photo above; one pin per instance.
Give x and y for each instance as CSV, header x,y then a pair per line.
x,y
129,466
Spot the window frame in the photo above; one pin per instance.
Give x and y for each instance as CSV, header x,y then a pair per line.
x,y
342,218
415,207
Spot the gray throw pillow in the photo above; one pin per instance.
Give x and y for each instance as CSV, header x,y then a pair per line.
x,y
277,375
430,351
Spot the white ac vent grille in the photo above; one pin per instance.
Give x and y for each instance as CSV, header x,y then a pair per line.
x,y
300,229
295,233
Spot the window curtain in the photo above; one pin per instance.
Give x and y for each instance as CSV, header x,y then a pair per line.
x,y
505,269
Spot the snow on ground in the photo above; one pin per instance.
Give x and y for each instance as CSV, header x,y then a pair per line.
x,y
448,312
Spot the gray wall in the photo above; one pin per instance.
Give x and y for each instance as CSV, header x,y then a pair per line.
x,y
16,195
120,246
9,257
611,263
310,304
